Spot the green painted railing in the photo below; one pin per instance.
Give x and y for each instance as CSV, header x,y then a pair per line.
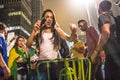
x,y
70,71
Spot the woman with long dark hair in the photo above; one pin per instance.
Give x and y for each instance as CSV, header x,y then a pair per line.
x,y
48,34
17,61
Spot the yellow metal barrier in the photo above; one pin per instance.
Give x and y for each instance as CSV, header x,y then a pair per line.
x,y
84,69
74,69
67,73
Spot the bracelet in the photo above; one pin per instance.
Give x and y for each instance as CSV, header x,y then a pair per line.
x,y
95,51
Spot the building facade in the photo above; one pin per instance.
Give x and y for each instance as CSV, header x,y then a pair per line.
x,y
37,9
16,14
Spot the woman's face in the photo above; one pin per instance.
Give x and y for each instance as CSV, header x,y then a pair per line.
x,y
20,42
49,19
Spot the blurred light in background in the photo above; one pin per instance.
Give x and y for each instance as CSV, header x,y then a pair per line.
x,y
79,3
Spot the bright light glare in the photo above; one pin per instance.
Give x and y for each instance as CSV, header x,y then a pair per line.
x,y
80,3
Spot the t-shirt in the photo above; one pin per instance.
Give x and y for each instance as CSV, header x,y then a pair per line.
x,y
3,50
111,47
47,51
107,18
91,40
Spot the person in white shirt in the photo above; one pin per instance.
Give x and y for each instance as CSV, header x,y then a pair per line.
x,y
47,34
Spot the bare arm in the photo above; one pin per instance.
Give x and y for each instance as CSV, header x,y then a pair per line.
x,y
105,32
104,36
4,67
33,34
30,39
65,36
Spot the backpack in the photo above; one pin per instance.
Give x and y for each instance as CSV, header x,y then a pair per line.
x,y
117,21
64,50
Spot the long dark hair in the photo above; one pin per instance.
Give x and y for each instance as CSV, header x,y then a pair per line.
x,y
56,41
16,43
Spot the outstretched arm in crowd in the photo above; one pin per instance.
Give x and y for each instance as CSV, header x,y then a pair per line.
x,y
105,32
4,67
65,36
35,31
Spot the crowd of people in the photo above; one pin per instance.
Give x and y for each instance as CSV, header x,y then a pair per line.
x,y
50,39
